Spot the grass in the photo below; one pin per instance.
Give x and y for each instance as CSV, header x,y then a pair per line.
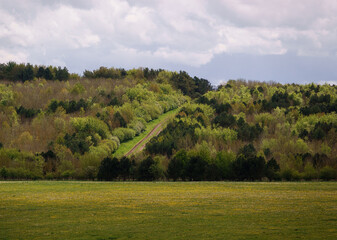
x,y
127,146
167,210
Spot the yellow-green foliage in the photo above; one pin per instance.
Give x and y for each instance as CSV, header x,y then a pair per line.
x,y
91,160
90,124
309,122
21,164
221,134
124,134
6,95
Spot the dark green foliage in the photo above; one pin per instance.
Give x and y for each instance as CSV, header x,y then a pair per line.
x,y
214,173
149,74
272,170
176,167
248,150
248,166
184,82
219,108
328,173
167,140
319,132
224,120
114,102
62,74
202,85
109,169
26,72
69,106
126,168
27,112
77,142
51,162
48,75
148,170
40,72
260,89
1,145
319,99
196,168
4,173
119,118
319,160
193,87
279,99
248,133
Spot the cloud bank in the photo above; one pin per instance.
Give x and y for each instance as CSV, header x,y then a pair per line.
x,y
163,32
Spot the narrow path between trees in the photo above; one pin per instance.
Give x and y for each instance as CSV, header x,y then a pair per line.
x,y
141,144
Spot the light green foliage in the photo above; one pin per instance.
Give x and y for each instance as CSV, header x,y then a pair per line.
x,y
12,116
6,95
309,122
204,150
127,112
243,95
124,134
297,97
164,76
207,110
91,160
90,124
77,89
138,124
326,89
325,149
139,93
223,134
240,115
300,146
310,172
265,119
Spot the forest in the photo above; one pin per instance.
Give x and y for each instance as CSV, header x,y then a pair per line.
x,y
60,125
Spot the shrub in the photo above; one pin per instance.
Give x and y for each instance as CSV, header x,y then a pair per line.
x,y
3,173
290,174
310,172
149,170
328,173
176,167
272,169
124,134
109,169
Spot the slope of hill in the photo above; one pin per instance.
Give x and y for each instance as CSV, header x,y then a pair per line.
x,y
72,127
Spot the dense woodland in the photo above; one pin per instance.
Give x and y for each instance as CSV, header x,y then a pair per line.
x,y
59,125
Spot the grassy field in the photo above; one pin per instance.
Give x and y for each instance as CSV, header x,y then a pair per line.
x,y
127,146
166,210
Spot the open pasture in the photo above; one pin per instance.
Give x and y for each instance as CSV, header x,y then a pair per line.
x,y
167,210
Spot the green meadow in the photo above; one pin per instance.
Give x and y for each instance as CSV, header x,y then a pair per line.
x,y
168,210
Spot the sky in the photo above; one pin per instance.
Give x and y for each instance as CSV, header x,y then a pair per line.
x,y
266,40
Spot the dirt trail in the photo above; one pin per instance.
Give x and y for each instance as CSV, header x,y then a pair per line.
x,y
142,142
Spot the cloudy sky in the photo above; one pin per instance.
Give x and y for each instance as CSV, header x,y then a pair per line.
x,y
279,40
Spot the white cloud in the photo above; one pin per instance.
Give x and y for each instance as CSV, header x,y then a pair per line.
x,y
189,32
328,82
16,56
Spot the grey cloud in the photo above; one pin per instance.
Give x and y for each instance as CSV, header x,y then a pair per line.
x,y
163,33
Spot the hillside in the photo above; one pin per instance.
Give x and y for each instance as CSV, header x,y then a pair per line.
x,y
58,125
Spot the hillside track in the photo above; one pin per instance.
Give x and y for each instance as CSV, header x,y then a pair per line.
x,y
141,144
